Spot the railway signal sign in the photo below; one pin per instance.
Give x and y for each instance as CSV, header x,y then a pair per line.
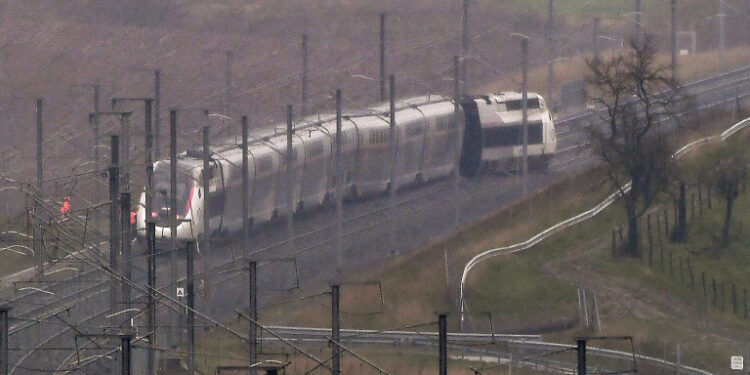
x,y
180,292
736,362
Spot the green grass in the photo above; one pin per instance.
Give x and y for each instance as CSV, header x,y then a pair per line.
x,y
536,290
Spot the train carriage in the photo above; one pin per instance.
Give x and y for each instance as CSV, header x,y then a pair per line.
x,y
489,128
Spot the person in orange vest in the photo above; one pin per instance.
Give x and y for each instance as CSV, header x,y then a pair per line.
x,y
65,208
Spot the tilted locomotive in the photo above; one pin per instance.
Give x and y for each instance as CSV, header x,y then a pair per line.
x,y
426,129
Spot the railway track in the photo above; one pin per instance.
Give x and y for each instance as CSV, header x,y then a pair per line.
x,y
365,221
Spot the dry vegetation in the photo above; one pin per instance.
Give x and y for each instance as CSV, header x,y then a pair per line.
x,y
47,47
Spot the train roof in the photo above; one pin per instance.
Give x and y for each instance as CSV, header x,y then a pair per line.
x,y
262,136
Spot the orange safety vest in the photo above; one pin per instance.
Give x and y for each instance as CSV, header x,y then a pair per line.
x,y
65,208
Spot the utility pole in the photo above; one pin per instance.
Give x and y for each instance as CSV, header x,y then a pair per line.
x,y
149,189
721,33
157,113
393,142
339,189
229,81
252,334
38,246
125,148
524,118
151,282
465,45
335,332
127,271
290,160
206,176
173,318
4,340
638,12
581,347
673,16
125,355
443,344
95,127
303,111
597,49
382,57
245,190
189,250
550,54
457,135
114,230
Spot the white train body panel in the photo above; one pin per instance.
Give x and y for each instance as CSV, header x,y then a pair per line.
x,y
373,163
426,149
501,121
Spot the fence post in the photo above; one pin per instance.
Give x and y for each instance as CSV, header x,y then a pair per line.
x,y
703,282
650,241
692,205
700,198
713,286
671,266
734,299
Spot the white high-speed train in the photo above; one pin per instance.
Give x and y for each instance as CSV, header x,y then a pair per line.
x,y
426,128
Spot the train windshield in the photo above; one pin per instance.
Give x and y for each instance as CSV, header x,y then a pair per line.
x,y
160,209
517,105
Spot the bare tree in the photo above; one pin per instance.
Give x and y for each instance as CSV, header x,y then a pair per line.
x,y
636,95
726,178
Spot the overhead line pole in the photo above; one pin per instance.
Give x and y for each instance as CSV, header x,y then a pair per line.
x,y
394,150
457,135
253,330
638,27
206,243
335,332
673,19
39,183
173,318
465,45
382,57
339,189
597,49
721,33
190,291
4,340
245,190
303,111
95,128
524,119
125,149
550,54
114,230
229,82
290,160
151,282
126,263
157,113
442,345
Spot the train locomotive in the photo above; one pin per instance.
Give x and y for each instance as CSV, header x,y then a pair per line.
x,y
489,127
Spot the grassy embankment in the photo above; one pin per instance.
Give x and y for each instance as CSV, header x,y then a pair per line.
x,y
536,290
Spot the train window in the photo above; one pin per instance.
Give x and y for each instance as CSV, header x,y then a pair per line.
x,y
413,129
315,148
379,136
264,163
511,135
517,105
444,123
